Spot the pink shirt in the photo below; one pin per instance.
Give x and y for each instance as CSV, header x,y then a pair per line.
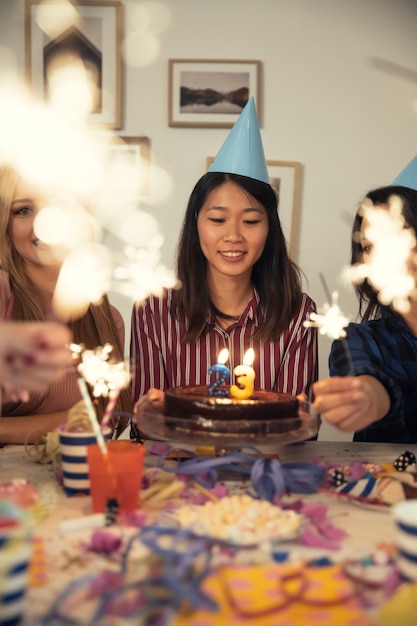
x,y
159,358
63,394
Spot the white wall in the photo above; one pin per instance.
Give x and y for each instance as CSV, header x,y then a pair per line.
x,y
324,104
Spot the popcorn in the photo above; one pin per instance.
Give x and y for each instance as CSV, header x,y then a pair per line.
x,y
240,519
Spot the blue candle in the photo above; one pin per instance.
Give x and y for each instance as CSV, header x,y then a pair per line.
x,y
222,378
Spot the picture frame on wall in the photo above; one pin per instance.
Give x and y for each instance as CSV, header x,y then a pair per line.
x,y
211,93
74,50
285,179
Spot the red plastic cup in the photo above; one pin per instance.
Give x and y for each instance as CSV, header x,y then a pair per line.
x,y
116,475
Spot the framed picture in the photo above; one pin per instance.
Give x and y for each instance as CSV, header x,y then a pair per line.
x,y
285,179
131,154
73,52
211,93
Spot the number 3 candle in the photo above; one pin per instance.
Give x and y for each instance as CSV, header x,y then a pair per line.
x,y
245,377
223,375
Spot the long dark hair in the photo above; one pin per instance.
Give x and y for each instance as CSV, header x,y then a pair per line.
x,y
275,276
369,305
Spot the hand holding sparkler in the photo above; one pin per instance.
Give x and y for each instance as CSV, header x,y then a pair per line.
x,y
352,402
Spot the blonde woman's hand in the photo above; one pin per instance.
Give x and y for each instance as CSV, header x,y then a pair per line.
x,y
32,356
351,403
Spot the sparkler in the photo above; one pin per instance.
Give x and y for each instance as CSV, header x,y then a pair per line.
x,y
107,378
103,374
332,323
87,174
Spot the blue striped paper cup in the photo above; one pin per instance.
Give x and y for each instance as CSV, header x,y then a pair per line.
x,y
405,517
73,446
15,553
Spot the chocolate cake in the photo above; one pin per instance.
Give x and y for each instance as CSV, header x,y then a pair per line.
x,y
194,403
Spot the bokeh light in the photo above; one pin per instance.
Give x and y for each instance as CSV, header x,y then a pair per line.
x,y
389,267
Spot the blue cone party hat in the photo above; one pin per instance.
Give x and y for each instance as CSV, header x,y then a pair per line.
x,y
242,152
408,176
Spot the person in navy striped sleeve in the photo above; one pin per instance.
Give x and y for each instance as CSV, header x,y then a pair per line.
x,y
372,389
239,287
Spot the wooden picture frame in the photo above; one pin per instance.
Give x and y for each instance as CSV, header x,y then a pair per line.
x,y
285,179
85,30
211,93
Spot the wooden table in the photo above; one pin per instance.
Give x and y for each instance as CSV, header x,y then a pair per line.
x,y
365,526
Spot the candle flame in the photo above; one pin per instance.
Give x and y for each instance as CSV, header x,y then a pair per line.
x,y
249,357
223,356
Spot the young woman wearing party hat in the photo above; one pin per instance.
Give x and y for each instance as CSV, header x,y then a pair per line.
x,y
238,286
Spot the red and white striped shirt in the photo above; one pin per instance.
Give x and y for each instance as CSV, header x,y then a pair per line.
x,y
160,359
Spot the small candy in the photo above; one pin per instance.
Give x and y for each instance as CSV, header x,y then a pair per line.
x,y
337,477
404,460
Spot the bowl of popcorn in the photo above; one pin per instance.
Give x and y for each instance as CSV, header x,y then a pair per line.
x,y
240,520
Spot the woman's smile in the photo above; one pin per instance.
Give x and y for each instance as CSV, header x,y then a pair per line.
x,y
232,255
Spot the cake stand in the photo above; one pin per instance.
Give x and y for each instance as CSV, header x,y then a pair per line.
x,y
197,430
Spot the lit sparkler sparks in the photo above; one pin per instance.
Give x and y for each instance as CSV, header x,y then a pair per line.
x,y
84,177
388,267
331,321
99,371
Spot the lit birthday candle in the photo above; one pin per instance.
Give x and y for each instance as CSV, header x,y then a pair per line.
x,y
216,388
245,377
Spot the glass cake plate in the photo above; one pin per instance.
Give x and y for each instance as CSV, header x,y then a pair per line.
x,y
198,430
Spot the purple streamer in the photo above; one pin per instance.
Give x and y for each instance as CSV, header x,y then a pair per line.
x,y
269,477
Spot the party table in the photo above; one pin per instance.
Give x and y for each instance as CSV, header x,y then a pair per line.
x,y
366,527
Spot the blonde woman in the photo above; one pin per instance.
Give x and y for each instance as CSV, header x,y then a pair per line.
x,y
28,276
